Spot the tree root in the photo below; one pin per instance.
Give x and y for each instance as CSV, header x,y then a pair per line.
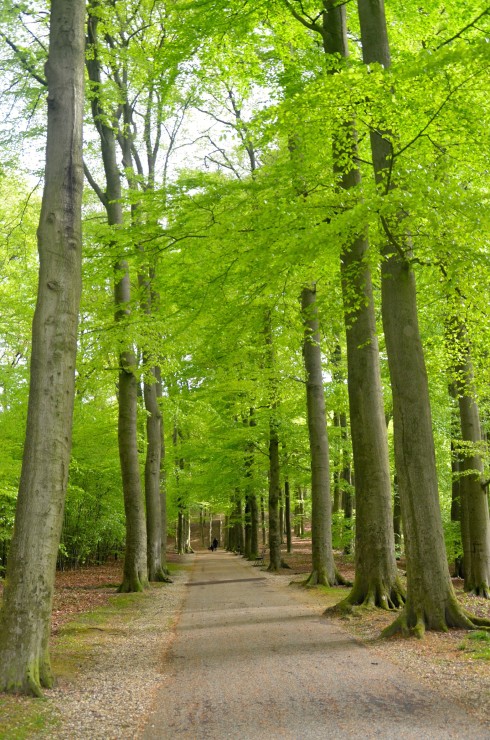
x,y
482,590
415,622
132,586
31,683
160,577
375,597
317,578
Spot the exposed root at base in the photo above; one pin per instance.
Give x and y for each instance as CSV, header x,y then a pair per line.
x,y
376,597
317,578
415,623
483,591
133,586
160,577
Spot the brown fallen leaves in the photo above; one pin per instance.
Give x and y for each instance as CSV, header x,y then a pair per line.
x,y
83,590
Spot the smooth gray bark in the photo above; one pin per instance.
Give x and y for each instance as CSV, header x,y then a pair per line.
x,y
152,481
431,602
274,464
287,515
25,618
323,566
274,496
135,561
474,498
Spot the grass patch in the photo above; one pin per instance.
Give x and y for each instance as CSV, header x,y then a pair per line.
x,y
73,648
477,644
25,718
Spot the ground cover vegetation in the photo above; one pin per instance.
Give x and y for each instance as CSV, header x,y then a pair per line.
x,y
283,317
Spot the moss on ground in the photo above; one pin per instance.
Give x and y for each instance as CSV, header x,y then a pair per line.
x,y
477,645
25,718
72,648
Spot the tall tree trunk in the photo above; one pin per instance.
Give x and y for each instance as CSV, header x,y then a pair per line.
x,y
323,566
281,516
152,481
397,518
274,496
135,575
337,491
297,512
25,617
274,464
248,530
458,508
287,514
474,495
262,521
431,602
252,548
376,577
163,481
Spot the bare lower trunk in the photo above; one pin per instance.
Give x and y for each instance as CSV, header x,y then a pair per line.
x,y
474,496
248,530
152,482
135,575
287,514
201,525
262,521
26,612
274,496
431,602
323,566
180,532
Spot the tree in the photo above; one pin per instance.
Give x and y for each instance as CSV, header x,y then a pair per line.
x,y
26,611
431,602
323,566
475,523
135,562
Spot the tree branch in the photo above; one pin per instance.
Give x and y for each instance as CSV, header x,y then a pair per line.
x,y
23,58
95,187
460,33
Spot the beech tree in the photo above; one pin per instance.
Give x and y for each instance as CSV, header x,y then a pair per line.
x,y
135,562
26,611
376,581
323,567
431,603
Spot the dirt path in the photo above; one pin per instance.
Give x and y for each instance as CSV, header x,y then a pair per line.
x,y
251,661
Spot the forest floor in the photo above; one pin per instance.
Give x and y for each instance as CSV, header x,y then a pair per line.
x,y
97,635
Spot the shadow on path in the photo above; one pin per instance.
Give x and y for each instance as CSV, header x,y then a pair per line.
x,y
251,662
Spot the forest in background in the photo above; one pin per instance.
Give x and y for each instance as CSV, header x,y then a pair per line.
x,y
229,206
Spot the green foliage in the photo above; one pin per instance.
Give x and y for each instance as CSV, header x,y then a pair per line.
x,y
226,238
452,538
343,531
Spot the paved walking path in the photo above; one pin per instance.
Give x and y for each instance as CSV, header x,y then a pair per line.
x,y
251,662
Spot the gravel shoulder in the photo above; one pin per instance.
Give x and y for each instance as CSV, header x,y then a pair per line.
x,y
110,692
